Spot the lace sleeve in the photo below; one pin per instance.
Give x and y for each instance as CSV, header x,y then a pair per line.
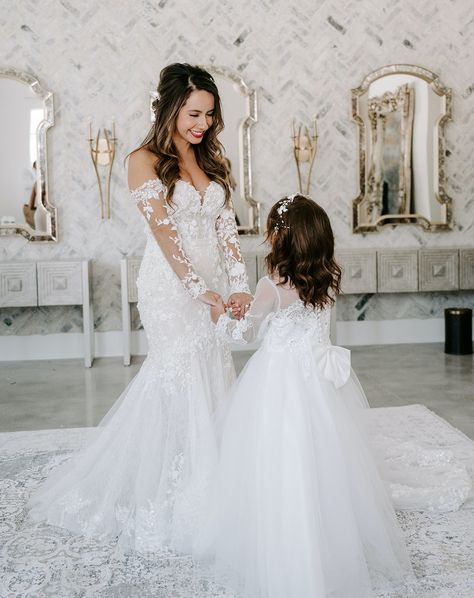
x,y
253,325
149,198
228,237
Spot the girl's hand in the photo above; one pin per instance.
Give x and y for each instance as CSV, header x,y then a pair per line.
x,y
239,304
211,298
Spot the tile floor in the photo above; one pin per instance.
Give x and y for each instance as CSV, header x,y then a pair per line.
x,y
53,394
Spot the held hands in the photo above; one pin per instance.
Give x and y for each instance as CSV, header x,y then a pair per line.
x,y
217,311
239,303
216,303
211,298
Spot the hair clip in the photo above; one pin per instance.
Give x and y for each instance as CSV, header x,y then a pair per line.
x,y
155,102
282,208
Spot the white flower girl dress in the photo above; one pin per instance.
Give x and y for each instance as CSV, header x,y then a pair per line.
x,y
298,508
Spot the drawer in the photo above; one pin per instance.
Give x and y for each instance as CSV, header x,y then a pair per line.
x,y
438,269
18,284
60,283
397,271
466,269
359,271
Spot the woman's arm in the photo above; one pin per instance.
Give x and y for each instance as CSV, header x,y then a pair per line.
x,y
228,237
251,326
149,194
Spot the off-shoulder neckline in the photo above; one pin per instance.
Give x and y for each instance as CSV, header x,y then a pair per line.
x,y
146,184
202,197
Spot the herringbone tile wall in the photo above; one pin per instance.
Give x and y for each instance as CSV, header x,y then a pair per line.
x,y
101,58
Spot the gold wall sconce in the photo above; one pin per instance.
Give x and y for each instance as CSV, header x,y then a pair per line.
x,y
102,149
304,150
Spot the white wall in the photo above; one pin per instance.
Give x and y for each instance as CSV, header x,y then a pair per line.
x,y
101,59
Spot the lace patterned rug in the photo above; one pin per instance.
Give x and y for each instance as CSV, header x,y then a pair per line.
x,y
38,561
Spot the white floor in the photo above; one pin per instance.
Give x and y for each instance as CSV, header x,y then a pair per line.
x,y
39,395
42,561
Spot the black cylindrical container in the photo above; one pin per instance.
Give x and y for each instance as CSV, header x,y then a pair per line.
x,y
458,330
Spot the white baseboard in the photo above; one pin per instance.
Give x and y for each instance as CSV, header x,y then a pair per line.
x,y
109,344
67,345
390,332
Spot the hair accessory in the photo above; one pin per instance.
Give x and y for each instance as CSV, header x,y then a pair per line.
x,y
282,208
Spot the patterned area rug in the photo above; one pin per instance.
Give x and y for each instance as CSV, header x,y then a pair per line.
x,y
38,560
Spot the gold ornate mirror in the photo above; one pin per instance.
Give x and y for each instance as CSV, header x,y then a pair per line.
x,y
27,114
239,107
401,111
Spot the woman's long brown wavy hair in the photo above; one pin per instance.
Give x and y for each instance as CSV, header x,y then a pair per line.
x,y
177,82
302,250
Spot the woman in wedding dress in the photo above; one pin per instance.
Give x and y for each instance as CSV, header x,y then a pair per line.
x,y
145,477
298,508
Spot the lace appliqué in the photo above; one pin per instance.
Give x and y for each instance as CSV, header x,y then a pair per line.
x,y
228,327
162,223
228,237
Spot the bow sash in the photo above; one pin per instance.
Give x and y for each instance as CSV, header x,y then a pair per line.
x,y
334,362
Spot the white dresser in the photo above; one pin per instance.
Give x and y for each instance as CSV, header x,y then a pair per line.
x,y
41,283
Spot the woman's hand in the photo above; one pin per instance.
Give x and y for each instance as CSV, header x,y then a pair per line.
x,y
239,303
217,311
211,298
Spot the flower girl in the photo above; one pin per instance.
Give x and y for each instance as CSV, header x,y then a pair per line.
x,y
298,508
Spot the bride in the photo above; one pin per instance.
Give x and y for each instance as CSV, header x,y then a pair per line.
x,y
144,479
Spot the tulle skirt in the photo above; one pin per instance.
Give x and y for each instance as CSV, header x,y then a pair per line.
x,y
297,507
144,479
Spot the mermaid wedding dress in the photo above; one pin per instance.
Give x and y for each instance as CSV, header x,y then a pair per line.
x,y
144,478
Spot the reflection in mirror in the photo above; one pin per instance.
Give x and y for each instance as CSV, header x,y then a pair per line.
x,y
239,107
27,113
401,111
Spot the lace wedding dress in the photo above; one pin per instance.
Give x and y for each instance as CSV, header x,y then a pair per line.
x,y
298,507
145,477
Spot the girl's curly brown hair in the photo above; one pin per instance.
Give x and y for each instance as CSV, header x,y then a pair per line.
x,y
177,82
302,250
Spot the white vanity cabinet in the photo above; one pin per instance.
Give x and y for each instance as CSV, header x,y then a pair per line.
x,y
364,271
41,283
406,270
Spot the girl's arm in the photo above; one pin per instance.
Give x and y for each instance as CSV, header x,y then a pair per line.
x,y
252,325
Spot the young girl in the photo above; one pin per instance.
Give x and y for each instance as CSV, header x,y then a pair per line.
x,y
299,510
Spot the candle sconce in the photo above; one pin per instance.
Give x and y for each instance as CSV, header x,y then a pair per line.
x,y
102,149
304,150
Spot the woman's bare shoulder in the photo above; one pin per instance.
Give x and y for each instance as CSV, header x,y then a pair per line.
x,y
141,167
141,157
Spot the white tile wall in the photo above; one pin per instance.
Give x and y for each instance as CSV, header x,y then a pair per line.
x,y
101,58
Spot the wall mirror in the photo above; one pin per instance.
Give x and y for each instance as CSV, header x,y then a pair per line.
x,y
239,106
401,111
27,114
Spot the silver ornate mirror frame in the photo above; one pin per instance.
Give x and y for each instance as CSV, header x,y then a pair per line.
x,y
364,184
51,234
244,142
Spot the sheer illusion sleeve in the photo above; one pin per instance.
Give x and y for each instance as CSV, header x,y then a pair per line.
x,y
228,237
150,199
253,325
